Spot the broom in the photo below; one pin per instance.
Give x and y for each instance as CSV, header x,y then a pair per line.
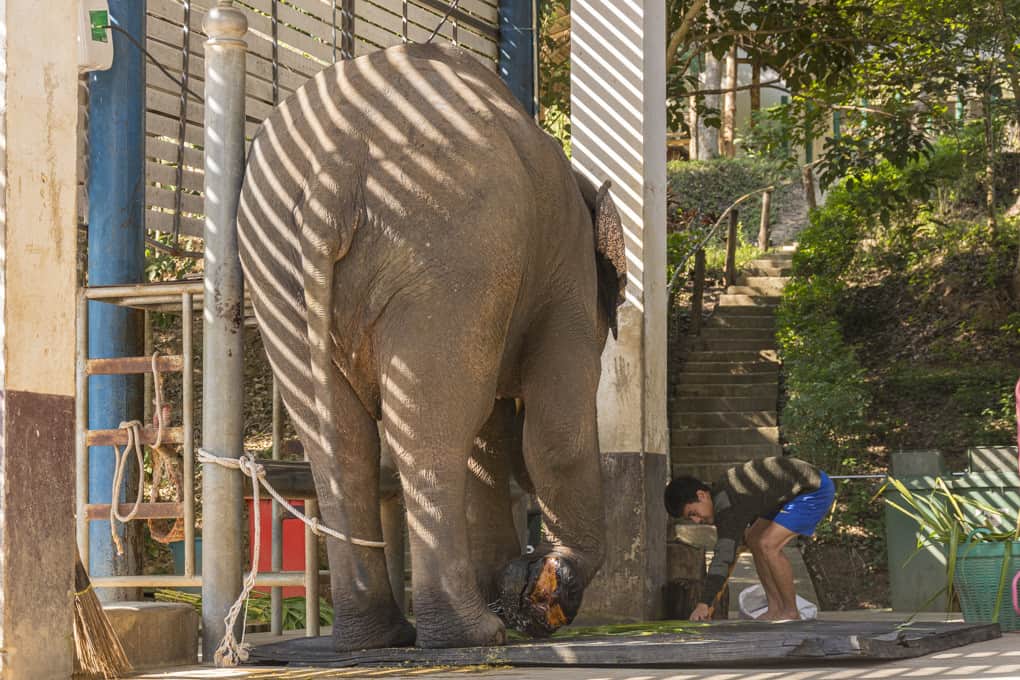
x,y
96,645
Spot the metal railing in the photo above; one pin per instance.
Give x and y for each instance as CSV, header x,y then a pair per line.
x,y
185,298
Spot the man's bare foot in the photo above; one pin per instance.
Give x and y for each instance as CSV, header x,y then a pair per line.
x,y
769,615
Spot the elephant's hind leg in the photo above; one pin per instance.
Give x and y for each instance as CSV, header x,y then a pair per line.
x,y
346,472
432,410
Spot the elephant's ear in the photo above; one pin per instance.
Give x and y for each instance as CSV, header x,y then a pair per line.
x,y
610,253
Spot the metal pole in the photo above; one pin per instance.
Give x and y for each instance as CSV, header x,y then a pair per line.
x,y
276,594
116,254
81,425
763,228
223,319
731,250
311,571
698,296
517,50
187,423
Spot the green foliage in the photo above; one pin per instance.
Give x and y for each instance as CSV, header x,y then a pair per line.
x,y
554,69
827,400
294,612
824,416
772,136
699,191
162,265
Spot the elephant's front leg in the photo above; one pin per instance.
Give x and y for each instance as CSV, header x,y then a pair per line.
x,y
491,532
543,591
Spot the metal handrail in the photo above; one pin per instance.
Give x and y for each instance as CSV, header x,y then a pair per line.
x,y
670,288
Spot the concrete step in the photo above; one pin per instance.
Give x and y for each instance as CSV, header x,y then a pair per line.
x,y
711,333
691,404
718,419
754,291
749,310
721,454
777,267
721,378
739,390
156,634
732,367
763,282
727,345
730,436
765,355
723,319
743,300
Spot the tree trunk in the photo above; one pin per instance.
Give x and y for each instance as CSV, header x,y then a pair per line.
x,y
755,87
990,164
727,136
709,79
692,123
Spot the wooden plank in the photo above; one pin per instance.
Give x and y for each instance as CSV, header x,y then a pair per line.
x,y
134,365
424,22
732,642
165,198
438,6
145,510
163,222
118,437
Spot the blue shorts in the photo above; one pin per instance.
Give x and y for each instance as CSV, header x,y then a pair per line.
x,y
802,514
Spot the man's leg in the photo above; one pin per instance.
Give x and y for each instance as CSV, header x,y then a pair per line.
x,y
752,537
774,568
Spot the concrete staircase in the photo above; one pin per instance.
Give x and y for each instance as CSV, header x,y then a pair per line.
x,y
724,407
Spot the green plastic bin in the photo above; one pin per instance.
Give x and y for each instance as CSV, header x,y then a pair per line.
x,y
914,579
978,569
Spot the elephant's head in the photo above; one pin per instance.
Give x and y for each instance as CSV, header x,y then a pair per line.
x,y
610,247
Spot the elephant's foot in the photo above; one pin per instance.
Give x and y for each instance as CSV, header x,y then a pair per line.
x,y
357,633
484,630
539,594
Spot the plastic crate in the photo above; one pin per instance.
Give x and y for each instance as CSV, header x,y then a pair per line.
x,y
978,568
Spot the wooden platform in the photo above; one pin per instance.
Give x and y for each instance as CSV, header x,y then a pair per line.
x,y
729,643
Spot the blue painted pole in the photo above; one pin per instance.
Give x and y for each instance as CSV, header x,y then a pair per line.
x,y
116,254
517,43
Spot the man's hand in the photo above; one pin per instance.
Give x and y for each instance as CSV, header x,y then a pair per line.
x,y
701,613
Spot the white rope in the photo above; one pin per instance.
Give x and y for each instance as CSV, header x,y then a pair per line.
x,y
231,652
134,443
134,437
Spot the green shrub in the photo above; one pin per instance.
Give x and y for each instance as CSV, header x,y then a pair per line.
x,y
698,194
699,191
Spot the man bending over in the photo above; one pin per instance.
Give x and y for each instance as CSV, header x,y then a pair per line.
x,y
764,503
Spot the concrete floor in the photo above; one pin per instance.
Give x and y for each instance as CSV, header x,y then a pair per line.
x,y
998,659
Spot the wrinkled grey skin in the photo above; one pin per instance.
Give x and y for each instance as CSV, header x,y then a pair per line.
x,y
416,248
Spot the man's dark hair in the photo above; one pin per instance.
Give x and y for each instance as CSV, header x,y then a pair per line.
x,y
680,492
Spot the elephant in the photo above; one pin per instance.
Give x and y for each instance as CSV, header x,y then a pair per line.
x,y
427,269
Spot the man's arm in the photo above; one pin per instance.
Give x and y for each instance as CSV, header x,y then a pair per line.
x,y
723,557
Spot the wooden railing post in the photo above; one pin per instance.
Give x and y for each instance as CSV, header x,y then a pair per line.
x,y
763,228
731,250
698,295
808,177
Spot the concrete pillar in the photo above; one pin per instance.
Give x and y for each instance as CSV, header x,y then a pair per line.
x,y
38,189
618,100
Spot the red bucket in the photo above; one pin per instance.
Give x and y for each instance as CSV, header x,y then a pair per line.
x,y
293,542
